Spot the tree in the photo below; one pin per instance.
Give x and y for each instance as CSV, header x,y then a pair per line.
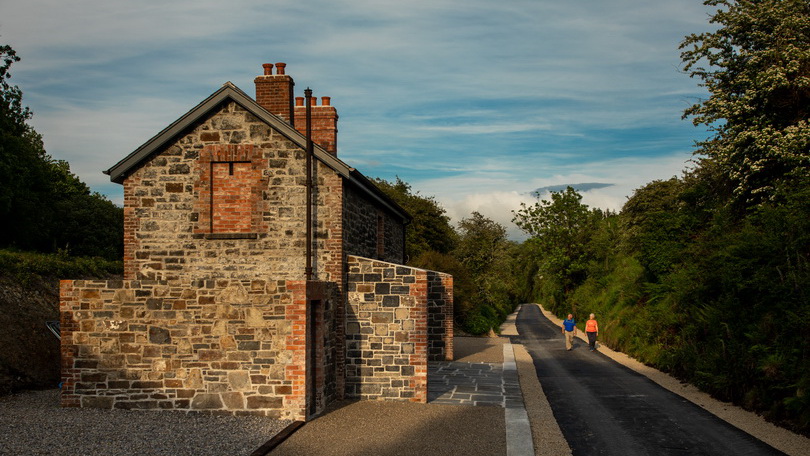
x,y
43,205
756,67
12,113
481,241
657,225
430,229
22,167
560,229
486,254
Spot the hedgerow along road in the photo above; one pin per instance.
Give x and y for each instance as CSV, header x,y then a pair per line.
x,y
604,408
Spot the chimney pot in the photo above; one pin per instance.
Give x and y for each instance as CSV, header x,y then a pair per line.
x,y
275,92
280,68
324,121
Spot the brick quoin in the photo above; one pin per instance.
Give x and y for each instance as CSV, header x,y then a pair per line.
x,y
67,325
418,336
131,202
296,343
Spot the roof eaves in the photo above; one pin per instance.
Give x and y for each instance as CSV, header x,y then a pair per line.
x,y
120,170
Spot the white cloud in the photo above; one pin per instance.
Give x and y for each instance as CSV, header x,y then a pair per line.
x,y
497,198
473,101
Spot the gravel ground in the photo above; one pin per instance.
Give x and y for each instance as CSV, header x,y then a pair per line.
x,y
478,349
32,423
375,428
783,440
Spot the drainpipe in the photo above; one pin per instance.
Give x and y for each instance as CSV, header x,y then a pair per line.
x,y
308,270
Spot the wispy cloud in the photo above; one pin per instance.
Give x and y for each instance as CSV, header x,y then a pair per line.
x,y
475,102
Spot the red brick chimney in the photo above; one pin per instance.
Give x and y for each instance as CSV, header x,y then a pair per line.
x,y
274,92
324,122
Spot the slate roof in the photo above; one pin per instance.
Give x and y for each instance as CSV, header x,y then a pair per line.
x,y
230,92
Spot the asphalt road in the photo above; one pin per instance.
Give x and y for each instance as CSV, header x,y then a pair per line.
x,y
604,408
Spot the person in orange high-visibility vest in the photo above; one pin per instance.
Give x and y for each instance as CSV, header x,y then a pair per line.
x,y
592,330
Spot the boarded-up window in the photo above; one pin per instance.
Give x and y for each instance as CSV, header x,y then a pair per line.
x,y
231,187
229,190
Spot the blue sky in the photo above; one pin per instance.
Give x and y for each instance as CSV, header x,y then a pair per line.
x,y
475,102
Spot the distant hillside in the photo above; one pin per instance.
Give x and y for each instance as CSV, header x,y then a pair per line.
x,y
584,187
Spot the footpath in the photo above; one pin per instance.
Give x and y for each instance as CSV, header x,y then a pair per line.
x,y
487,401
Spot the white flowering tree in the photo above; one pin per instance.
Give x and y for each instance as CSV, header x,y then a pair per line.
x,y
756,67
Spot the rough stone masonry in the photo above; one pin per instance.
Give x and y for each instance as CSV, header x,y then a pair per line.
x,y
215,313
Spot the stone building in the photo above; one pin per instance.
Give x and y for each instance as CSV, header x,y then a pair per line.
x,y
221,309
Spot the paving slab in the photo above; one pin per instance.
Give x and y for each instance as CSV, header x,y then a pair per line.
x,y
482,384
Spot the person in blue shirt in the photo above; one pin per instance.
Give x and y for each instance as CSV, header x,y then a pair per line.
x,y
569,328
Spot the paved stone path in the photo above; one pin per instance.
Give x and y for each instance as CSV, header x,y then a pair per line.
x,y
460,383
493,384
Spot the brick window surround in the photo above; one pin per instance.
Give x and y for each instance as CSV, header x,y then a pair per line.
x,y
228,192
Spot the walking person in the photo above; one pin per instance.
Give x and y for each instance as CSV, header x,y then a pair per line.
x,y
569,329
592,330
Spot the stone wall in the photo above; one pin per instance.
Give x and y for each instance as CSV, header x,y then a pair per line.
x,y
219,345
371,232
168,206
387,328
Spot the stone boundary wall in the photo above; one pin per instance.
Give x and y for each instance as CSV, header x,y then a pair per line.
x,y
387,328
219,346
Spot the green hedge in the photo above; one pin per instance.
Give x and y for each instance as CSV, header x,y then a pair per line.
x,y
25,266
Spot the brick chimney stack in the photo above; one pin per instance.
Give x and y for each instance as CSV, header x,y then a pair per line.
x,y
324,122
274,92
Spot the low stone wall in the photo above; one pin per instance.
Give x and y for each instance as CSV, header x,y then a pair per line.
x,y
220,346
387,328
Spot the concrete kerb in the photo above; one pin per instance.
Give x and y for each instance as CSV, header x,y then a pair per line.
x,y
777,437
518,430
534,422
